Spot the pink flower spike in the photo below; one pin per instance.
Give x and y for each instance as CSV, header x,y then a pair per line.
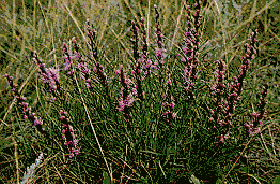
x,y
37,122
169,81
221,138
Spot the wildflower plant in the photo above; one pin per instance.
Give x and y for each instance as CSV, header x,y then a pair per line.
x,y
113,106
69,135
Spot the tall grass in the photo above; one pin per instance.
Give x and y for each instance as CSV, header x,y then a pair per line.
x,y
139,92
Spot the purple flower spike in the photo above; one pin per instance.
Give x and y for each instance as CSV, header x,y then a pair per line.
x,y
127,97
190,52
68,135
12,85
26,111
38,121
132,72
258,117
99,69
50,77
227,107
168,105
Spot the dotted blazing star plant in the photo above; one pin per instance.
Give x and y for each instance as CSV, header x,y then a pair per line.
x,y
150,103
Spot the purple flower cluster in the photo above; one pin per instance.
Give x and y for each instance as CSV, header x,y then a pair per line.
x,y
92,40
258,117
147,64
99,69
238,82
68,135
190,50
82,66
188,83
160,52
50,77
11,84
25,109
168,105
218,90
101,75
138,69
68,61
224,108
127,98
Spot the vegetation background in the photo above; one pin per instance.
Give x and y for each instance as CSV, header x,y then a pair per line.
x,y
149,150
